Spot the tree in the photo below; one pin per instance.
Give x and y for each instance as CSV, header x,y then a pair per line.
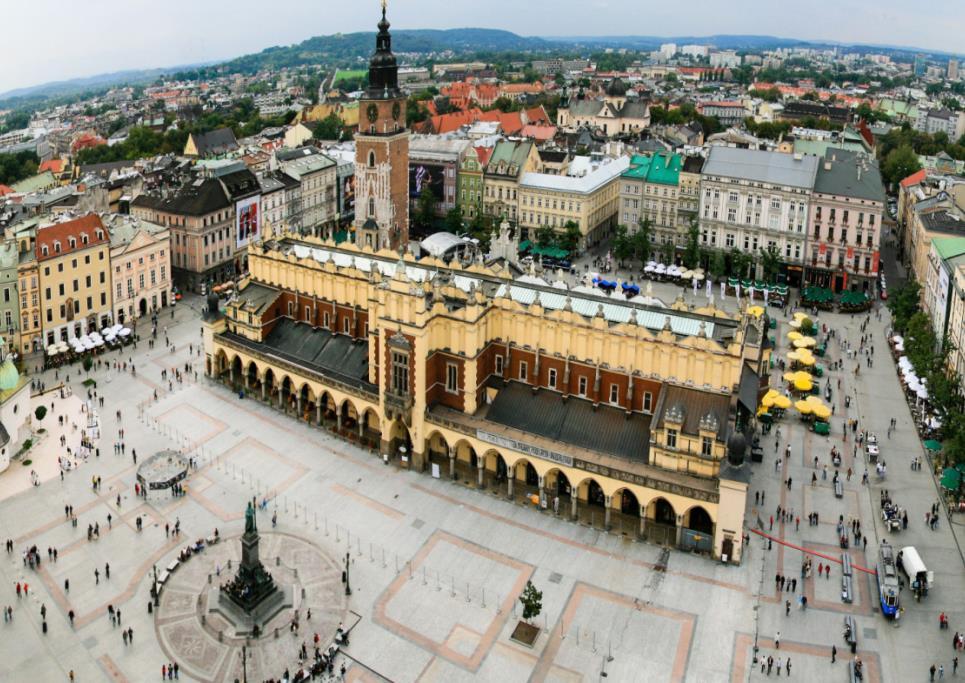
x,y
718,265
622,245
16,167
545,236
426,208
454,220
329,128
642,244
692,252
532,601
899,164
570,239
88,363
770,263
40,413
904,303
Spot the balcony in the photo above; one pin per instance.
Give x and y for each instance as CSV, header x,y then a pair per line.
x,y
398,405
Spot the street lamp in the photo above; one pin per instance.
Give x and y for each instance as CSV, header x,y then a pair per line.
x,y
348,589
154,589
244,664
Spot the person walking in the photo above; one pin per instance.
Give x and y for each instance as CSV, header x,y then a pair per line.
x,y
777,640
834,653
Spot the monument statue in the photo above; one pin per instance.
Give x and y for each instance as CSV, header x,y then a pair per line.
x,y
250,526
252,585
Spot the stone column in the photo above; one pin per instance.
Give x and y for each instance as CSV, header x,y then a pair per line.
x,y
680,528
643,521
338,420
452,463
264,391
574,501
299,415
231,375
318,413
361,429
606,512
480,468
281,399
510,480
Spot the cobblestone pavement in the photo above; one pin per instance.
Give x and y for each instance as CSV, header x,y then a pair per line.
x,y
436,567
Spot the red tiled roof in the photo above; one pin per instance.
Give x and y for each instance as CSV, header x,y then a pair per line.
x,y
53,165
4,189
914,179
511,122
539,133
484,153
538,115
61,233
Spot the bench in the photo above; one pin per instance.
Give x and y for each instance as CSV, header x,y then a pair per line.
x,y
851,627
174,565
846,564
838,489
847,589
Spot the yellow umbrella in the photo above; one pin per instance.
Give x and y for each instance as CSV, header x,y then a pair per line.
x,y
767,401
795,323
800,315
790,376
807,360
793,355
782,402
794,335
803,384
815,400
822,412
804,342
756,311
804,407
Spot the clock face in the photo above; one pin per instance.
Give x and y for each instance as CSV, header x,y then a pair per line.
x,y
373,113
396,110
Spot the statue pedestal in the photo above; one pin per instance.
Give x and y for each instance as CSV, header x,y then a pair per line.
x,y
252,623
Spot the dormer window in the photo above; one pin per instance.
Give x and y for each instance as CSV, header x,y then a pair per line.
x,y
72,242
56,247
100,234
83,238
44,250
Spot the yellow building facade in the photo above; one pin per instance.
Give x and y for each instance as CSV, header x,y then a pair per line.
x,y
617,414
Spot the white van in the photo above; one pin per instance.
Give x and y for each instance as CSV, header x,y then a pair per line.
x,y
914,568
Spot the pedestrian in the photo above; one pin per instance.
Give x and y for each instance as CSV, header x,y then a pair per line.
x,y
67,585
787,666
955,666
97,576
931,673
107,570
70,615
834,653
777,640
164,671
787,608
124,636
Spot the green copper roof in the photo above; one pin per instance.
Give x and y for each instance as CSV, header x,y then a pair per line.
x,y
662,168
9,377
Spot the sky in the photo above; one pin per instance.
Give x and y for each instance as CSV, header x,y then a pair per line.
x,y
63,39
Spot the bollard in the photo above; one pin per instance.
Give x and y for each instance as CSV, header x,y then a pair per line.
x,y
383,558
484,597
452,587
277,561
423,575
468,594
209,578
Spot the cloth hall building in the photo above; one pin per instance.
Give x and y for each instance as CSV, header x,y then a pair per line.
x,y
627,415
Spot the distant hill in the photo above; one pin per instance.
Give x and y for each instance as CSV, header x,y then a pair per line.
x,y
343,46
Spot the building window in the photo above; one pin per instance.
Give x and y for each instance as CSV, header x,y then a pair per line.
x,y
371,159
647,401
523,371
325,319
581,391
308,314
671,438
499,365
551,378
614,394
291,308
400,373
452,378
706,446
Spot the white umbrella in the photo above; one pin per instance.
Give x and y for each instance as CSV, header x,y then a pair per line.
x,y
650,267
52,350
124,332
687,274
698,277
921,392
661,269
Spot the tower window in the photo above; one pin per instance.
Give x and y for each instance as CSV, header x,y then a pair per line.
x,y
371,207
371,159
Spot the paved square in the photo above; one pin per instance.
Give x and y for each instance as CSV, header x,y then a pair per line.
x,y
436,567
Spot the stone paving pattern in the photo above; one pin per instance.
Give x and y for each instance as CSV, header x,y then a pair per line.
x,y
436,567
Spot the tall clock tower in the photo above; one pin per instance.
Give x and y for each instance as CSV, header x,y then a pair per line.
x,y
382,153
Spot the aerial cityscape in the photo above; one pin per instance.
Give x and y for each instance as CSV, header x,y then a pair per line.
x,y
455,354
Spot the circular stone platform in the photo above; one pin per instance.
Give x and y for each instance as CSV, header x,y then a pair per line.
x,y
204,645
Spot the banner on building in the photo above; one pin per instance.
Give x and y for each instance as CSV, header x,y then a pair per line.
x,y
247,220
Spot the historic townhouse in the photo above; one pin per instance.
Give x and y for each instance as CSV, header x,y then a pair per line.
x,y
753,200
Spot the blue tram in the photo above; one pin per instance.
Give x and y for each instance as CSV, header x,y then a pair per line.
x,y
888,583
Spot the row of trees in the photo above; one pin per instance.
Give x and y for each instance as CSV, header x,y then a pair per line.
x,y
929,355
16,167
640,246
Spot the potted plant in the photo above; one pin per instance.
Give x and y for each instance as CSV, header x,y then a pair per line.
x,y
532,601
